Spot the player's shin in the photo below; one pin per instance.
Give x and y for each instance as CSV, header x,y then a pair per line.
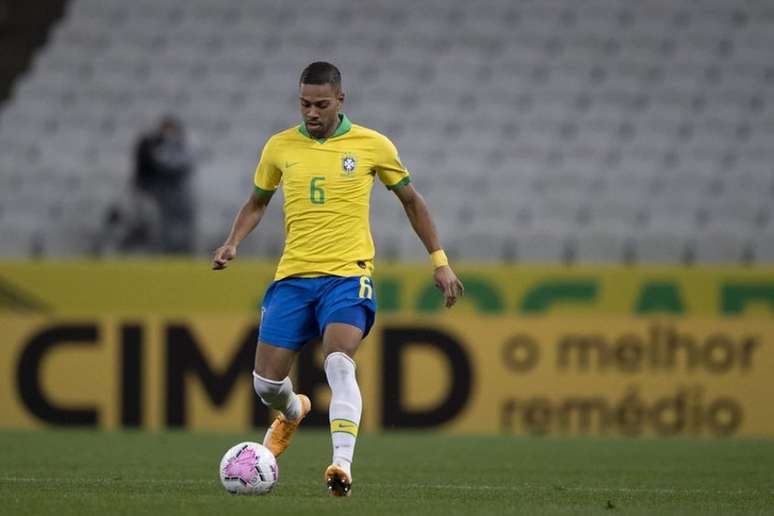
x,y
278,395
345,409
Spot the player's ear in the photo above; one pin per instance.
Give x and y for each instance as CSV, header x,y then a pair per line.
x,y
340,97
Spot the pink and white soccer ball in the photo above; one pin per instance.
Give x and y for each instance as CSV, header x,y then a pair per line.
x,y
248,469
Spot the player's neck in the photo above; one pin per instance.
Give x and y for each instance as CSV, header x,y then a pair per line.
x,y
330,132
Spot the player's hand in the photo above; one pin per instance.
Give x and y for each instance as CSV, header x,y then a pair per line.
x,y
448,283
223,255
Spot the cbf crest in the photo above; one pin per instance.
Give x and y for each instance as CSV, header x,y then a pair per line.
x,y
348,164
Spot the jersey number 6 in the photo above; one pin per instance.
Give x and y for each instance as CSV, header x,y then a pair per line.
x,y
316,192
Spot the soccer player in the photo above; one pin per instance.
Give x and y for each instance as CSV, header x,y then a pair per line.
x,y
322,287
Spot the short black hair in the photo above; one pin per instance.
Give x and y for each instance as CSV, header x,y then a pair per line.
x,y
321,72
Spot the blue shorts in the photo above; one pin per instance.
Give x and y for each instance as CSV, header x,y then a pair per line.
x,y
296,310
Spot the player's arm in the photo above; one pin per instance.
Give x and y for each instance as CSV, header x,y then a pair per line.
x,y
265,181
419,216
248,217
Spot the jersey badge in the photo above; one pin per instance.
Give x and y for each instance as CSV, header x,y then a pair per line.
x,y
348,164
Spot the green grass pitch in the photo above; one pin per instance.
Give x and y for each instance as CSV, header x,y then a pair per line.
x,y
85,472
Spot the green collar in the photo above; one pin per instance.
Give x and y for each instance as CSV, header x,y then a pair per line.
x,y
344,126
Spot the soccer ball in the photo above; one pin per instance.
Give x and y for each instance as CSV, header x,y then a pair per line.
x,y
248,469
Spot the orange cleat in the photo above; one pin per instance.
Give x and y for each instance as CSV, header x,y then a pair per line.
x,y
281,431
338,480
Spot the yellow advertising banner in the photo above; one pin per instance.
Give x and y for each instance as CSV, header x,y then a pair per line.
x,y
185,287
487,374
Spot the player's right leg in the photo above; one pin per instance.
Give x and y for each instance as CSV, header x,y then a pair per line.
x,y
274,388
287,322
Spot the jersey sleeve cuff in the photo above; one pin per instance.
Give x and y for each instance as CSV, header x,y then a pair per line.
x,y
261,191
400,184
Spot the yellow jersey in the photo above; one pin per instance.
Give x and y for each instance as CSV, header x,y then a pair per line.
x,y
327,185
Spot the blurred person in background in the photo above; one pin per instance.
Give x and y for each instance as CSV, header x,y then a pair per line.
x,y
130,226
163,169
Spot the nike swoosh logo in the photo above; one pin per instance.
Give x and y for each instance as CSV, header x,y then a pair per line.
x,y
347,426
288,165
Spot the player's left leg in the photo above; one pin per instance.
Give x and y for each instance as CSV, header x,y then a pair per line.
x,y
346,312
340,341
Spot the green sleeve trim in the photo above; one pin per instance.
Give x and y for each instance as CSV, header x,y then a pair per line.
x,y
400,184
261,191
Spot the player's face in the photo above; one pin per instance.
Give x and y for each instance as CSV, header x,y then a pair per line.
x,y
320,105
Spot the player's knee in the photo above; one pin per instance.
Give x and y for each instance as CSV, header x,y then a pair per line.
x,y
348,350
339,364
270,391
336,343
345,331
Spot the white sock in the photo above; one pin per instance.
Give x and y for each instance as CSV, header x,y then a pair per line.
x,y
346,407
278,395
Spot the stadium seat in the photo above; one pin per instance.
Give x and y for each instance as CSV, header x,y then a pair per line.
x,y
763,247
627,212
481,243
547,244
18,242
599,243
721,245
739,210
660,246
